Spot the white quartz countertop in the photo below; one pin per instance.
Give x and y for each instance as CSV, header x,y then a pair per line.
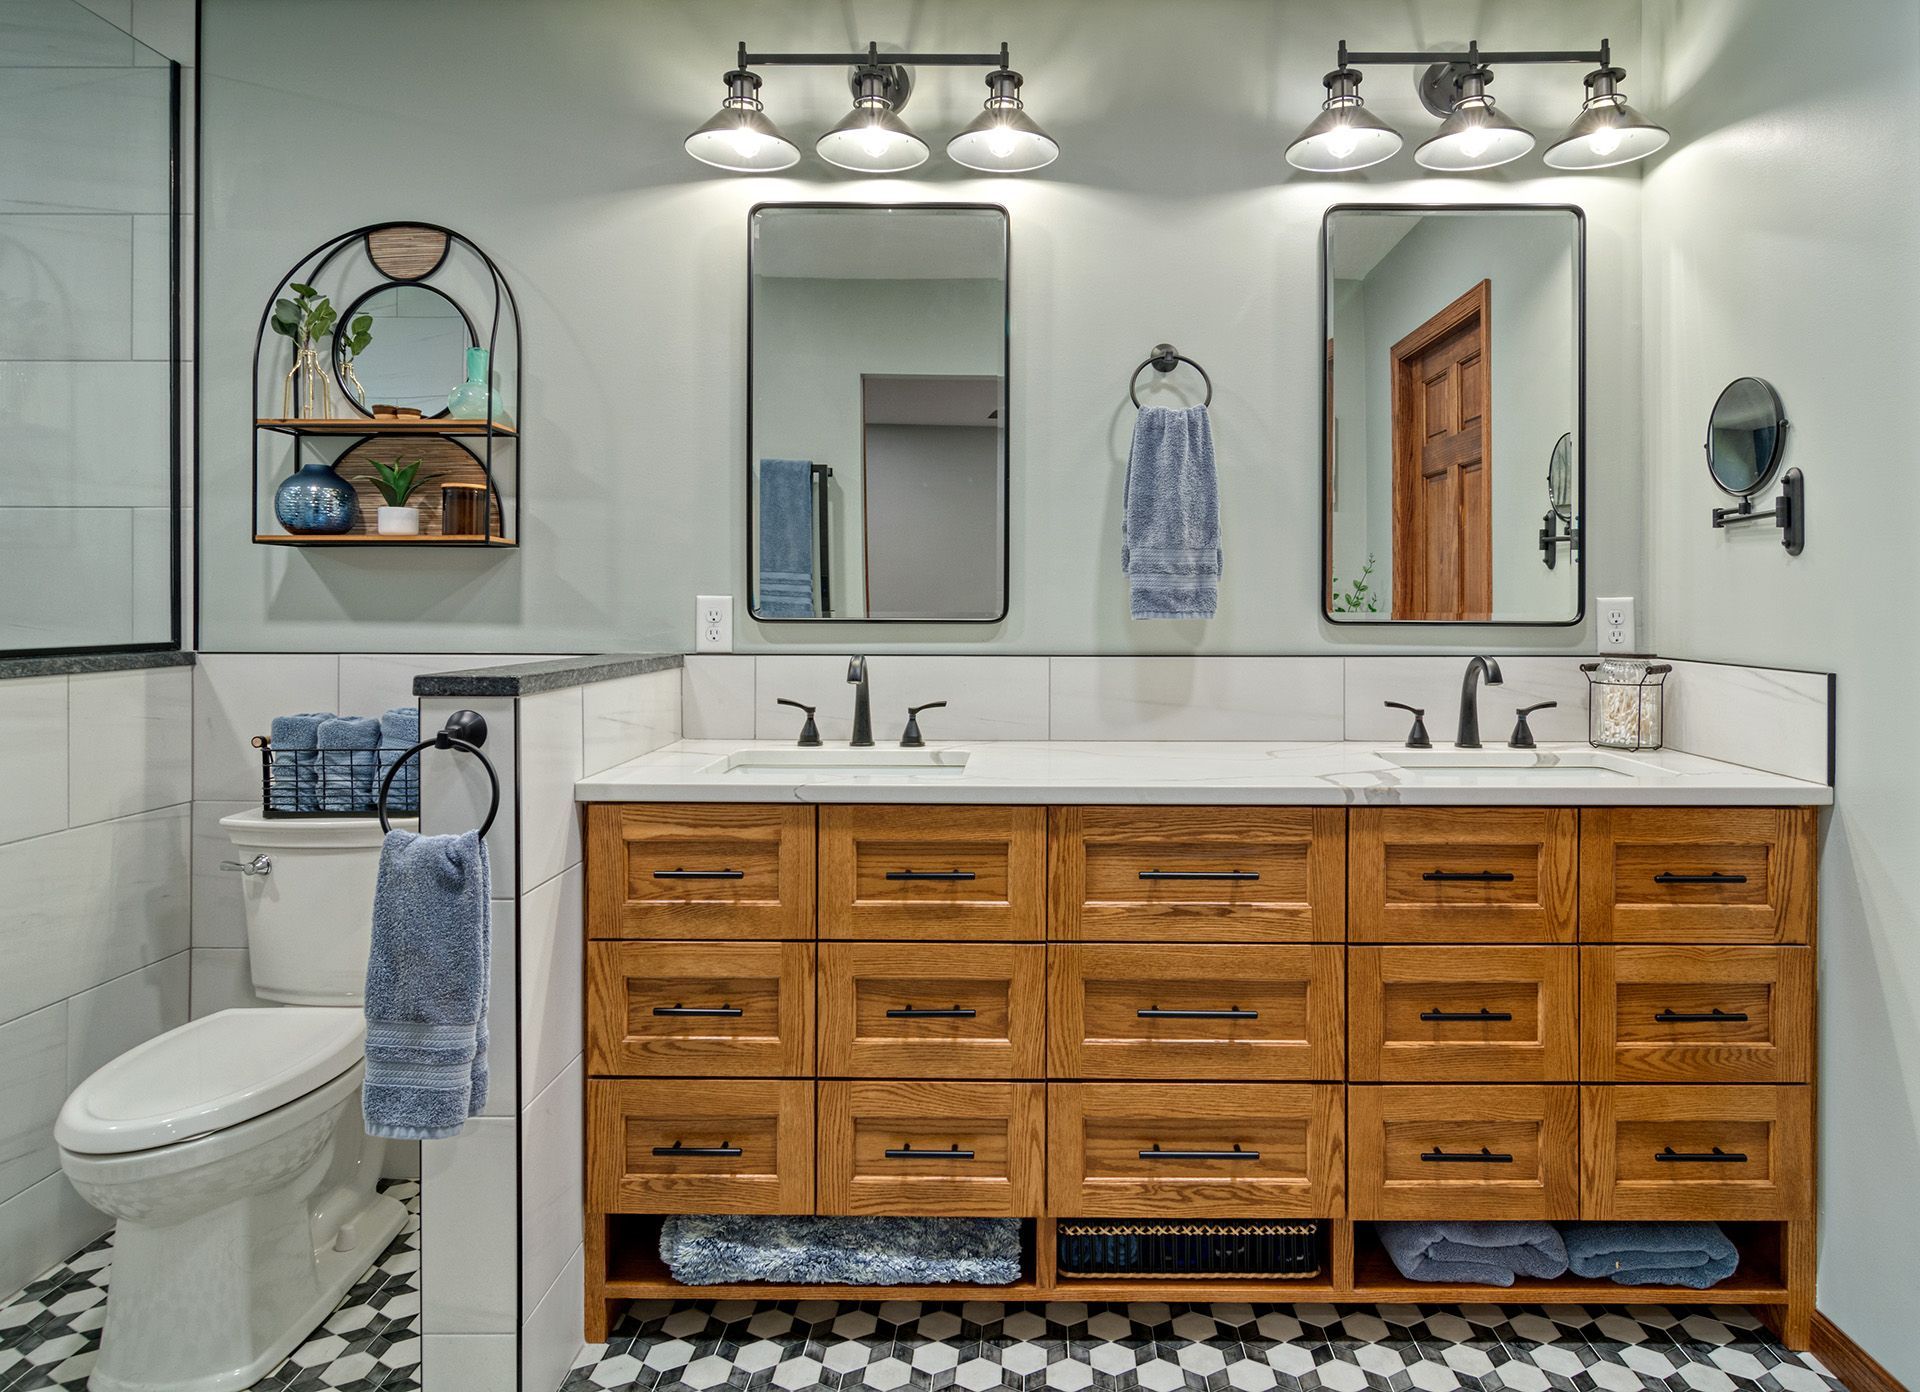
x,y
1248,773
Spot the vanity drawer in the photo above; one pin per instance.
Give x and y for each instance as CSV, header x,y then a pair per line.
x,y
705,1146
1714,1153
730,1009
932,1010
1462,875
933,872
699,871
1696,1014
1465,1152
1198,874
1246,1012
905,1149
1221,1150
1463,1014
1697,874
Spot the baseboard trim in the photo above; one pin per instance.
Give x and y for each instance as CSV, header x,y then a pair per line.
x,y
1853,1365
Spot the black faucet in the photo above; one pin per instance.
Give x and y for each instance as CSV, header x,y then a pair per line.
x,y
862,704
1468,736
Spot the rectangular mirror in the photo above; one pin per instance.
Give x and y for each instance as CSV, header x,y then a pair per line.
x,y
1454,413
877,412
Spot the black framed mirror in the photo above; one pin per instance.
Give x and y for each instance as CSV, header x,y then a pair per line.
x,y
417,352
1746,436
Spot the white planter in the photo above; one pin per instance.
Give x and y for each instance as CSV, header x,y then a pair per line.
x,y
401,521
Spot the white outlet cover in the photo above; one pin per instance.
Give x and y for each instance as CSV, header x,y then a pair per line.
x,y
713,623
1617,625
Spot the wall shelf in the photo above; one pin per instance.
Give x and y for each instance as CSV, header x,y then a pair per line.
x,y
376,539
366,425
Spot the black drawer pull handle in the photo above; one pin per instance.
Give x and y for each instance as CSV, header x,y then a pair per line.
x,y
1468,876
1199,874
1714,1156
726,1150
1715,1016
957,1012
727,1012
1235,1154
907,1152
1712,878
1156,1013
1482,1157
1454,1017
930,875
699,874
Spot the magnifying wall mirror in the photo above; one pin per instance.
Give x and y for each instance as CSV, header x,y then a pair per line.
x,y
1560,478
417,353
1745,436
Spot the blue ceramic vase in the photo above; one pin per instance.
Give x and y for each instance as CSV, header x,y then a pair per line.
x,y
315,500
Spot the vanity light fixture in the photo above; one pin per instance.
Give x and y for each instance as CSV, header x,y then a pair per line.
x,y
740,137
1003,139
1345,135
1607,131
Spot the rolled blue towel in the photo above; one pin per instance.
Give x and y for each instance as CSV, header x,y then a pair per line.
x,y
721,1249
1481,1254
295,785
1694,1255
347,763
399,732
1170,520
427,986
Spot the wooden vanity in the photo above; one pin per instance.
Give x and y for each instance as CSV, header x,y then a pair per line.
x,y
1592,1013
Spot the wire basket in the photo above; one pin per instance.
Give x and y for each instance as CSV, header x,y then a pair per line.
x,y
1626,703
332,782
1274,1251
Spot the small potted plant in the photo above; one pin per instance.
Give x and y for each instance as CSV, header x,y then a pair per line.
x,y
396,482
306,319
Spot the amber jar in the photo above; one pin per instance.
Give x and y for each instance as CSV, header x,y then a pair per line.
x,y
463,509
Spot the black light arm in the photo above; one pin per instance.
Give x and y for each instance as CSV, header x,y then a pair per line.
x,y
1475,56
873,58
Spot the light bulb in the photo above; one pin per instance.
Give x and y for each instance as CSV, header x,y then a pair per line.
x,y
1342,142
1002,142
748,143
1474,142
1605,141
875,140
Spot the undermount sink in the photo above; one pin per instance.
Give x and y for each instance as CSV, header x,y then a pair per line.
x,y
785,764
1573,767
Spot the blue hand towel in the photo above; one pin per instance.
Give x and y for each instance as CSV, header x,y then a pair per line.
x,y
347,763
786,539
427,983
296,779
714,1249
1694,1255
1170,526
399,732
1481,1254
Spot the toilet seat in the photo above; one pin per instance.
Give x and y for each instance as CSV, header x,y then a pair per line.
x,y
208,1075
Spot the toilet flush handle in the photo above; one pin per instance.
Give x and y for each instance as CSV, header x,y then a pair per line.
x,y
261,864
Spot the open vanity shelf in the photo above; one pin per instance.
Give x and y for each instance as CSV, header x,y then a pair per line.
x,y
1613,1005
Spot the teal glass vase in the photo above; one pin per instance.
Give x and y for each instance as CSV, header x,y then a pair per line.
x,y
469,400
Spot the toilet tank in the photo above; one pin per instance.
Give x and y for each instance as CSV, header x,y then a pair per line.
x,y
310,914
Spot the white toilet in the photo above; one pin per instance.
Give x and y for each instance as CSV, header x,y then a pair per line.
x,y
231,1149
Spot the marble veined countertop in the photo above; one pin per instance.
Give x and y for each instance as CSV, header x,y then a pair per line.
x,y
1248,773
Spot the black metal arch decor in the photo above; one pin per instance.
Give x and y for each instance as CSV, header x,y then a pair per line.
x,y
465,451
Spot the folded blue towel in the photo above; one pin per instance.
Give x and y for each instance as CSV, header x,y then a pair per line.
x,y
786,539
720,1249
296,779
1170,524
1694,1255
1481,1254
347,763
399,732
427,984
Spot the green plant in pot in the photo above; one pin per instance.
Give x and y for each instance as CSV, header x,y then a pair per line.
x,y
396,482
305,319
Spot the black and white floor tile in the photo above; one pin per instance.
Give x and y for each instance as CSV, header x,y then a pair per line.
x,y
981,1346
50,1332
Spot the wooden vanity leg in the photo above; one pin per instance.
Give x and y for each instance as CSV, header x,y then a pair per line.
x,y
1340,1255
600,1312
1799,1258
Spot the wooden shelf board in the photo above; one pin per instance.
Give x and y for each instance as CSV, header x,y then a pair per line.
x,y
366,425
474,540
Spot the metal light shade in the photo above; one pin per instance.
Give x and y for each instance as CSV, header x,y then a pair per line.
x,y
872,139
1607,131
1345,135
1476,135
1003,139
740,137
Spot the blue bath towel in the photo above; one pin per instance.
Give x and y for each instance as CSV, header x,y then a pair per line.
x,y
786,539
1170,526
399,732
427,982
720,1249
296,776
1694,1255
348,762
1481,1254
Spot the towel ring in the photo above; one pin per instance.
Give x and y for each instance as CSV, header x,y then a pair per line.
x,y
1164,358
465,730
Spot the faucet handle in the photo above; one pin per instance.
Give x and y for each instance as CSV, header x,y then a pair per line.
x,y
910,738
1522,735
809,732
1417,737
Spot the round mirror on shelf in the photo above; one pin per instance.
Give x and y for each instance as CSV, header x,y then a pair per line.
x,y
1560,478
1746,435
416,349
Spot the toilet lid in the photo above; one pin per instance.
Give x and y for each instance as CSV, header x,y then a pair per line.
x,y
208,1075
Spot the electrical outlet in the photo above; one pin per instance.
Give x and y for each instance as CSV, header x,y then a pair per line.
x,y
1616,625
713,623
